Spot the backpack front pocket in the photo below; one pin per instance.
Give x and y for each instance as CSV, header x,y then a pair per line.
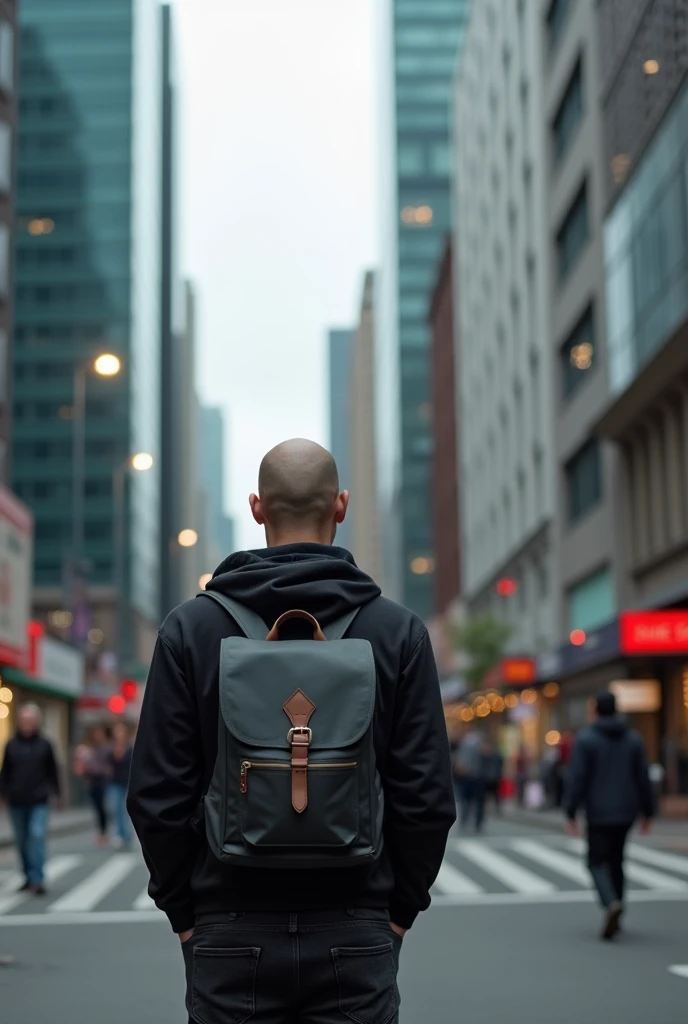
x,y
267,815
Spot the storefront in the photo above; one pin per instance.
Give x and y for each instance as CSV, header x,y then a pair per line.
x,y
16,536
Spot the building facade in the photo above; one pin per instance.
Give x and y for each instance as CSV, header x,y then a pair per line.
x,y
88,282
8,123
420,40
219,539
506,445
340,346
364,526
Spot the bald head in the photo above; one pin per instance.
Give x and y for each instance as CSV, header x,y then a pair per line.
x,y
298,493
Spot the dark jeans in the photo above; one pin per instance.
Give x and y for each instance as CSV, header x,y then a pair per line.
x,y
493,790
30,826
313,967
605,860
472,801
97,792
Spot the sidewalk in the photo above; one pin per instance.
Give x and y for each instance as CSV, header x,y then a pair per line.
x,y
62,823
672,833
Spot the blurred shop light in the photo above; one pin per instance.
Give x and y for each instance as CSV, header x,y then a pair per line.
x,y
483,711
60,619
4,711
551,689
529,697
552,738
468,714
95,636
205,580
420,216
651,67
511,700
187,538
424,215
506,587
129,689
117,704
578,637
6,695
422,566
41,226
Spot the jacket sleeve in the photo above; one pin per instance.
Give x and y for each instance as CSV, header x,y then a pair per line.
x,y
646,800
417,782
577,783
165,786
6,771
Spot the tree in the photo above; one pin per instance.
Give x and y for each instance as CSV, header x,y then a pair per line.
x,y
482,640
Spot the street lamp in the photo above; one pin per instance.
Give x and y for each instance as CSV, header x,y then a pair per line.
x,y
187,538
105,365
141,462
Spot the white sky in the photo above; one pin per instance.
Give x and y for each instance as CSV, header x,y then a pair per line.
x,y
279,184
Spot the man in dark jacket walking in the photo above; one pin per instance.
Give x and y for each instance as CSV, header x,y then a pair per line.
x,y
609,779
29,778
295,944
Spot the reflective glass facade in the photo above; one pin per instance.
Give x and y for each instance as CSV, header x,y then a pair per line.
x,y
88,272
646,252
422,54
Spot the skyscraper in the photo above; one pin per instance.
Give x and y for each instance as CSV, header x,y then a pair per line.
x,y
212,463
88,281
341,344
421,39
7,150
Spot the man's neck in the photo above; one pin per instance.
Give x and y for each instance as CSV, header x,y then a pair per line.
x,y
281,539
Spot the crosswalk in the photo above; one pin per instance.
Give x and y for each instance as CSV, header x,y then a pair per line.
x,y
107,888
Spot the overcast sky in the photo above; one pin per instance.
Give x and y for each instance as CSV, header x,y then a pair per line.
x,y
279,187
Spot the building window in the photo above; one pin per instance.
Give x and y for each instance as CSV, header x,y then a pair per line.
x,y
569,115
4,260
584,481
592,603
573,234
6,57
578,354
556,20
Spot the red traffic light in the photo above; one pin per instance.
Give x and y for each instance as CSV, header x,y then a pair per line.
x,y
117,704
578,637
506,587
129,689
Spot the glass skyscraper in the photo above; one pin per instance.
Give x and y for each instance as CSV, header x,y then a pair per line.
x,y
421,39
88,281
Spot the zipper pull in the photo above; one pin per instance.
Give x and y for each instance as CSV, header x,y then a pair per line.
x,y
243,784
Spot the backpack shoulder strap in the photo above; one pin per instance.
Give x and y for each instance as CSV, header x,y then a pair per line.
x,y
337,629
248,621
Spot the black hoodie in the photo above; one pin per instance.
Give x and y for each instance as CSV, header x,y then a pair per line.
x,y
608,774
176,745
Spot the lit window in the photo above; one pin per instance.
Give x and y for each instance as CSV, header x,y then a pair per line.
x,y
422,566
651,67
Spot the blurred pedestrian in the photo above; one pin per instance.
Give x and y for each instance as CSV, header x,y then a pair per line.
x,y
470,769
28,779
609,779
522,767
494,773
119,757
93,763
329,937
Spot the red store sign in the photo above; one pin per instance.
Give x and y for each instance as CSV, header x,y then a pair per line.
x,y
654,632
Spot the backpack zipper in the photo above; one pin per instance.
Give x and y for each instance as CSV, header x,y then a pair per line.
x,y
285,766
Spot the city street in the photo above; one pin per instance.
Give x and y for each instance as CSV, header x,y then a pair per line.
x,y
512,936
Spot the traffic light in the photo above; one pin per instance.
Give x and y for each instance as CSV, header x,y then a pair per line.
x,y
117,704
129,690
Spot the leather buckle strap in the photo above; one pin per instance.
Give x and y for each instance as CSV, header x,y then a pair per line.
x,y
299,709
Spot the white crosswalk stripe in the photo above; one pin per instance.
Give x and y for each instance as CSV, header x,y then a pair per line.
x,y
639,873
88,893
451,882
144,902
56,868
507,871
658,858
558,862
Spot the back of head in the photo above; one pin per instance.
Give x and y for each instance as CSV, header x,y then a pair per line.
x,y
605,704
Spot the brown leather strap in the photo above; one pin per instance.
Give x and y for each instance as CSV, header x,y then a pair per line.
x,y
296,613
299,709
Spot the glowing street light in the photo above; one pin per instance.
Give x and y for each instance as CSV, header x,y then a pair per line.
x,y
187,538
142,462
107,365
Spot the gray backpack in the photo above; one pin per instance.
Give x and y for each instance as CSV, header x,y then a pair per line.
x,y
295,783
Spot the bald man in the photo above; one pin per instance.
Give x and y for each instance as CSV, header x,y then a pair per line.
x,y
258,942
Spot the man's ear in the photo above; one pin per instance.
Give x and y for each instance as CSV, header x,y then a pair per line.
x,y
340,507
256,509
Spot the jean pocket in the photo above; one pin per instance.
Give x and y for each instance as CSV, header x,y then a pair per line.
x,y
367,980
223,985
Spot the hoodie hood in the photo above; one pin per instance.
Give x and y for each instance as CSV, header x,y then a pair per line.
x,y
322,580
613,726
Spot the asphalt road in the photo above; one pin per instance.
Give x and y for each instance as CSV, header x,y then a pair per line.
x,y
512,937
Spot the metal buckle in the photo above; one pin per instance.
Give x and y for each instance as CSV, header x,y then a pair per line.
x,y
300,729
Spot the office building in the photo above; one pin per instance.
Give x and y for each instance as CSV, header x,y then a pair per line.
x,y
364,526
88,282
340,347
212,457
8,121
420,43
503,350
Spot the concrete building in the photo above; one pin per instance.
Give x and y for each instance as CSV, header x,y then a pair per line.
x,y
219,539
8,123
340,348
503,368
420,39
364,528
88,281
